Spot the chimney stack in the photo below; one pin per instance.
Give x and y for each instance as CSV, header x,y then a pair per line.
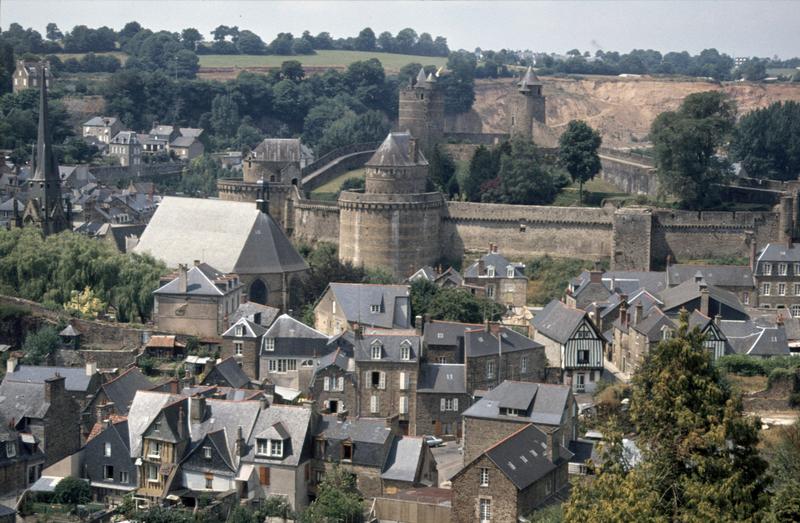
x,y
718,320
198,408
418,325
623,312
91,367
196,263
638,312
552,447
751,243
240,447
481,267
54,388
183,278
413,151
704,299
11,364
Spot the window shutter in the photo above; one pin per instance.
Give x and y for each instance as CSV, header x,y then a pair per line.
x,y
373,404
403,405
382,384
263,475
340,384
366,379
455,404
441,405
326,383
402,381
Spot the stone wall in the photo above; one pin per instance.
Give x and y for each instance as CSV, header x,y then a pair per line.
x,y
336,168
522,231
631,174
316,221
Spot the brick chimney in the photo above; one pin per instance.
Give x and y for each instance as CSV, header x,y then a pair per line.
x,y
481,267
418,326
638,312
552,447
623,312
704,299
183,278
54,387
718,320
240,448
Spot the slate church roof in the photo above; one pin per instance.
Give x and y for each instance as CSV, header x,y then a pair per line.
x,y
233,237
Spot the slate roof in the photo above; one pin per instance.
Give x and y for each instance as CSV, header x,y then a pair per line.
x,y
122,389
625,282
479,342
372,433
771,342
337,358
530,78
69,331
450,275
543,403
395,151
717,275
249,309
281,150
442,378
221,421
183,141
230,370
652,324
121,233
391,348
125,138
446,333
146,406
779,252
75,378
297,423
522,456
557,321
355,299
100,121
234,237
161,130
200,281
403,460
689,290
293,337
22,399
426,273
500,264
749,337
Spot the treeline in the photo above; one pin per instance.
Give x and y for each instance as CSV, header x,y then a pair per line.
x,y
49,270
709,63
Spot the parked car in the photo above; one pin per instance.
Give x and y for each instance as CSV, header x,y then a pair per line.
x,y
433,441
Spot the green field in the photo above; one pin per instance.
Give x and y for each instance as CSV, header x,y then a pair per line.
x,y
391,62
324,191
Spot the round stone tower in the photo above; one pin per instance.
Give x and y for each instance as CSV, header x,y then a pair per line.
x,y
394,224
421,111
526,107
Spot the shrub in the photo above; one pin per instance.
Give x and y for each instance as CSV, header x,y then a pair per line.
x,y
742,365
72,491
779,374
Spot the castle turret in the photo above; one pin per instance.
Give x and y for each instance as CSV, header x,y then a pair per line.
x,y
422,111
394,224
45,207
526,106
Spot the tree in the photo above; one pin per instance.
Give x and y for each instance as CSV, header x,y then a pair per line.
x,y
523,178
459,85
700,460
442,172
753,70
53,32
577,152
365,41
73,491
423,292
337,499
40,345
282,45
85,304
191,38
686,143
483,167
456,304
224,115
371,126
292,70
783,454
767,142
250,43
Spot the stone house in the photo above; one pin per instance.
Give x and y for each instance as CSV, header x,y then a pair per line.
x,y
501,412
333,386
494,353
162,444
107,463
441,398
572,343
186,147
373,451
388,367
114,398
242,342
633,338
102,129
43,413
244,240
503,282
777,276
197,302
290,350
227,373
27,74
510,479
697,295
125,146
21,459
737,279
348,306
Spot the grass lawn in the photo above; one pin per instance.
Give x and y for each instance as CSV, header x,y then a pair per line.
x,y
119,54
745,384
333,185
391,62
594,192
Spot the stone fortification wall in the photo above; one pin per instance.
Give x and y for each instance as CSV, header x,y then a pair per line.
x,y
476,138
110,174
521,231
686,235
629,174
397,232
316,221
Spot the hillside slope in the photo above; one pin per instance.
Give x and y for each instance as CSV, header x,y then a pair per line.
x,y
621,108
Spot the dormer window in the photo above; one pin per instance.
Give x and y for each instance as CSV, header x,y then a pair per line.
x,y
269,344
377,351
440,335
375,309
157,426
510,271
782,268
272,448
11,449
405,351
207,452
766,269
347,451
490,271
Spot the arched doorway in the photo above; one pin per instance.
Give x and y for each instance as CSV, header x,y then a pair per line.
x,y
258,292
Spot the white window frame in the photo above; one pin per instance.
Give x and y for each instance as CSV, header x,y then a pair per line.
x,y
152,473
376,351
106,476
795,309
765,288
239,331
490,272
490,291
262,447
339,383
207,452
374,404
276,448
238,348
490,370
766,269
485,510
403,404
746,298
403,380
269,344
107,449
510,271
326,383
796,269
783,268
484,477
11,449
405,352
375,309
781,289
523,365
124,477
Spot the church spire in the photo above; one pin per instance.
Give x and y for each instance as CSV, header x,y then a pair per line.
x,y
46,166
